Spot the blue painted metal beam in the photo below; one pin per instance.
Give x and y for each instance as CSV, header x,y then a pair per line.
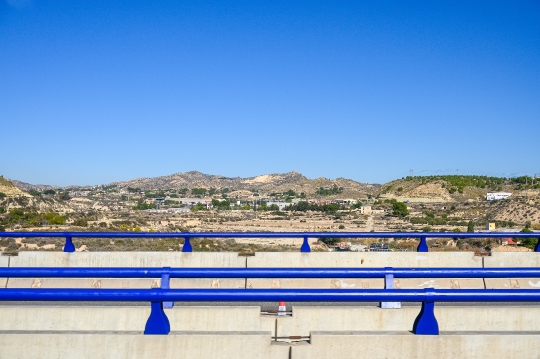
x,y
92,272
273,234
422,246
290,295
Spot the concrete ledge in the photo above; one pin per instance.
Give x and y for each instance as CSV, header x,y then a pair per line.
x,y
512,259
123,283
308,319
93,345
125,259
399,345
364,260
104,319
128,259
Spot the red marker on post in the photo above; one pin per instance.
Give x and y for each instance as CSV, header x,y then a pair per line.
x,y
282,309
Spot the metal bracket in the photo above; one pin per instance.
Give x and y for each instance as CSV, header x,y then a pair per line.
x,y
157,323
389,284
187,246
426,323
422,246
305,246
165,284
69,247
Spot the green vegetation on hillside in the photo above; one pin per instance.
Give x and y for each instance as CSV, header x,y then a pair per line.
x,y
30,218
329,191
306,206
458,183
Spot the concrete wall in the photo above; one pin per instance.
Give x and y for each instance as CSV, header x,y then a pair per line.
x,y
126,259
308,319
74,318
399,345
364,260
512,259
95,345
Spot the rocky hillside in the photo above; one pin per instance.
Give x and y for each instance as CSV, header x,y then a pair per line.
x,y
33,187
455,188
10,190
265,183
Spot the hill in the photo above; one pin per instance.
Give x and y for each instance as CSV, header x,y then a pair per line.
x,y
268,183
454,188
10,190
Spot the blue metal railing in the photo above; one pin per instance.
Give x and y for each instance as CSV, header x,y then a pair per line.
x,y
154,272
422,236
158,323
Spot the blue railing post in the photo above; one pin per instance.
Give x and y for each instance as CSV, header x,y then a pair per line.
x,y
157,322
166,284
305,246
426,323
187,245
537,246
69,247
389,284
422,246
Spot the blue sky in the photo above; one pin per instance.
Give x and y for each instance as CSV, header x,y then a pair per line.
x,y
98,91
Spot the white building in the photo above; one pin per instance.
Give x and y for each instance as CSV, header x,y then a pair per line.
x,y
493,196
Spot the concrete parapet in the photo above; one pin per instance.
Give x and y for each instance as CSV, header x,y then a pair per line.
x,y
404,345
512,259
134,345
103,319
126,259
308,319
364,260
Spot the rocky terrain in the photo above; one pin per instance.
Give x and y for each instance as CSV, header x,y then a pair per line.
x,y
433,204
267,183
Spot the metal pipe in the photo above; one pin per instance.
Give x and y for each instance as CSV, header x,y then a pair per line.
x,y
272,234
292,295
82,272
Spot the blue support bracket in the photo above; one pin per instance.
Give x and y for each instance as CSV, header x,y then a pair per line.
x,y
157,323
426,323
422,246
305,246
187,245
389,284
69,247
166,284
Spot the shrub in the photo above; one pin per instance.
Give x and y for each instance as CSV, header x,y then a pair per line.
x,y
329,241
81,222
341,226
400,209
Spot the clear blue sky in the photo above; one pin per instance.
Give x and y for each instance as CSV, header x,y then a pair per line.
x,y
98,91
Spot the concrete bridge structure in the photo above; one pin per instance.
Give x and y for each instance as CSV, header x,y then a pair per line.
x,y
472,331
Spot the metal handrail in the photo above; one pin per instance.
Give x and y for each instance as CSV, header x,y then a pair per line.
x,y
422,246
158,323
153,272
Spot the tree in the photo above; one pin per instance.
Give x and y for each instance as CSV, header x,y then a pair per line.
x,y
470,226
81,222
400,209
2,195
64,196
302,206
